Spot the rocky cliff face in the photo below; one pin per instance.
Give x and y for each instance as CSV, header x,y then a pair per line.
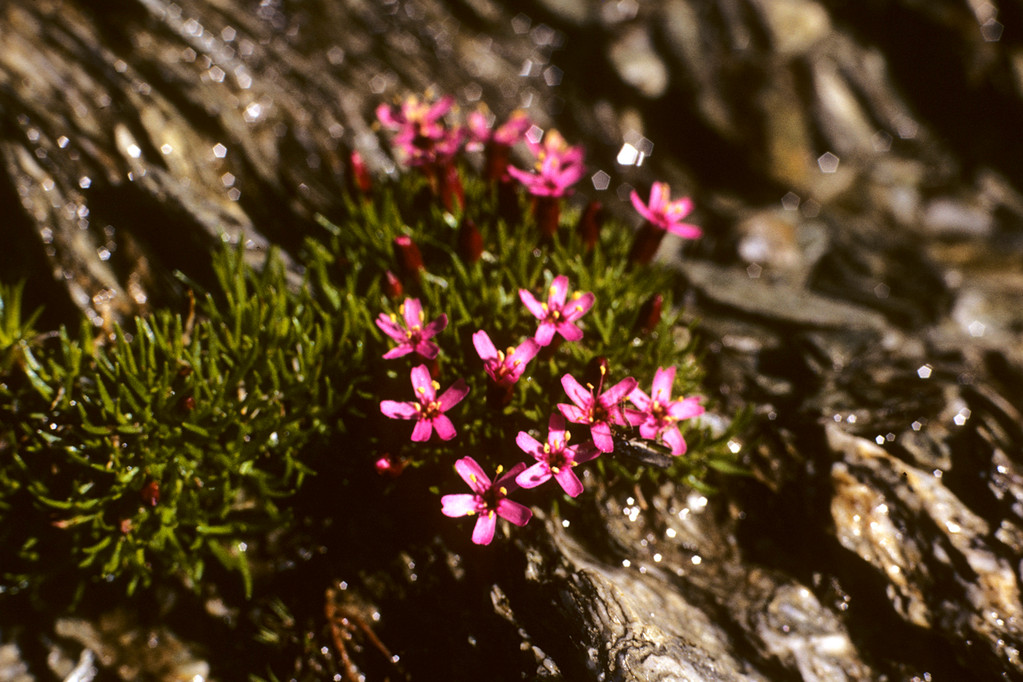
x,y
857,169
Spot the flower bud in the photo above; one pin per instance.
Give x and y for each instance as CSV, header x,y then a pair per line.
x,y
470,241
410,260
590,223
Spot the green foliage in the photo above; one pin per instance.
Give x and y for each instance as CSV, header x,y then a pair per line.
x,y
171,443
151,451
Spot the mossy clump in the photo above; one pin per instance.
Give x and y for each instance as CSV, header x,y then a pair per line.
x,y
146,452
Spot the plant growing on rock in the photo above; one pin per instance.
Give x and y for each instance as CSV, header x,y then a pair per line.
x,y
187,437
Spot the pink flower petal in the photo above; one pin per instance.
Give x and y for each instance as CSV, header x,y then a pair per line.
x,y
484,346
579,395
427,349
618,392
422,382
472,474
579,306
574,414
513,511
390,327
445,429
413,312
396,410
534,475
483,532
685,230
569,331
545,333
458,505
422,431
584,453
556,430
529,445
601,434
673,439
525,352
435,327
640,399
534,306
569,482
453,395
557,292
398,351
664,379
684,409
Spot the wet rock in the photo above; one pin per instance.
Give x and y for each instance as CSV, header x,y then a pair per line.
x,y
637,64
925,542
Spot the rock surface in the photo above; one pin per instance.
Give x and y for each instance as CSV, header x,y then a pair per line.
x,y
857,169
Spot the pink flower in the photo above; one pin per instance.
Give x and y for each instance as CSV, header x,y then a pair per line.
x,y
487,500
506,367
666,214
554,458
658,413
557,315
428,410
411,336
558,167
482,132
420,131
596,408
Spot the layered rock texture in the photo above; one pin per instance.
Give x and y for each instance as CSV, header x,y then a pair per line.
x,y
857,169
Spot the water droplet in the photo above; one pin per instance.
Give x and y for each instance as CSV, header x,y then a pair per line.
x,y
976,329
520,23
670,533
626,563
534,134
882,291
925,371
879,440
754,270
828,162
991,30
216,74
228,179
697,560
553,75
916,426
962,416
84,182
790,202
627,155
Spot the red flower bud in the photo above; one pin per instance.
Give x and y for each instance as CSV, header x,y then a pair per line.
x,y
470,241
389,465
547,213
590,223
410,260
392,286
150,493
358,175
649,314
645,244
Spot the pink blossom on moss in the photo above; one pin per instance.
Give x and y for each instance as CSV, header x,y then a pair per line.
x,y
488,500
666,214
599,409
482,132
427,410
559,313
658,414
558,166
419,129
555,458
504,367
411,333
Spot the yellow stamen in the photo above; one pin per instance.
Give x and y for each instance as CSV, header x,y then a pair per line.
x,y
436,386
503,491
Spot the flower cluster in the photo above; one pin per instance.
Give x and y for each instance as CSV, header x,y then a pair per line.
x,y
606,411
